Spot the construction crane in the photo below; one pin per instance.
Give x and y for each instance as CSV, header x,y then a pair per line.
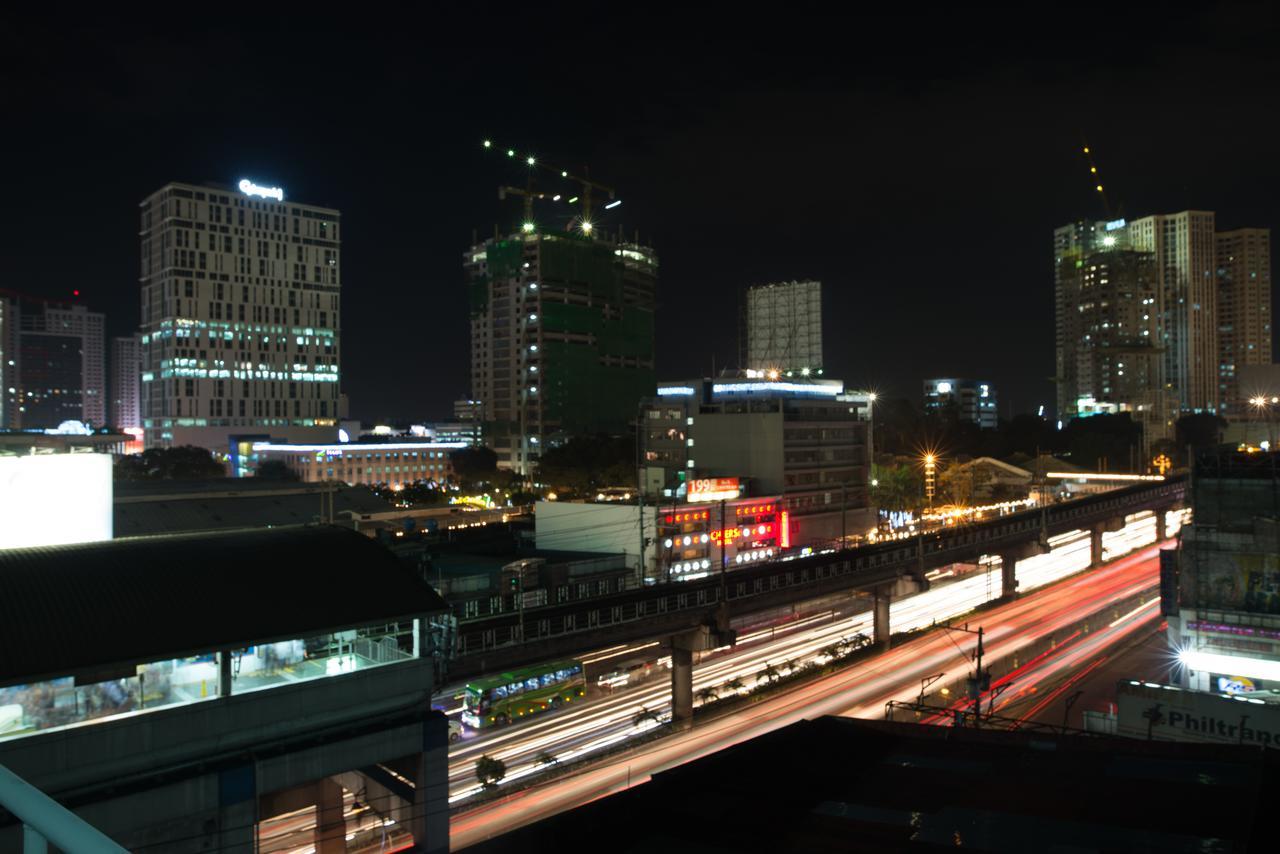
x,y
589,188
1097,181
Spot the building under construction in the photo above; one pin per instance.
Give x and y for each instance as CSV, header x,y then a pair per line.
x,y
783,326
562,337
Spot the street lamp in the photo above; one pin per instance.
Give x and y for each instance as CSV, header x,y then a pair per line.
x,y
930,477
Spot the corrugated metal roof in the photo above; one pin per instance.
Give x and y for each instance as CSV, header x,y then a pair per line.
x,y
70,608
180,506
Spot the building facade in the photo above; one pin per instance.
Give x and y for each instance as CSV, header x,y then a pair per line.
x,y
394,464
802,444
562,338
1182,307
55,363
1220,589
970,400
240,316
784,328
1244,313
1183,248
126,374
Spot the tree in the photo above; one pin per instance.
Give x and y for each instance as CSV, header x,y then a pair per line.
x,y
275,470
735,685
643,715
473,467
546,757
708,695
959,483
585,464
184,462
1201,430
769,674
899,487
490,771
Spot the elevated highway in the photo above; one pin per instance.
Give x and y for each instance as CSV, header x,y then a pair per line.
x,y
695,614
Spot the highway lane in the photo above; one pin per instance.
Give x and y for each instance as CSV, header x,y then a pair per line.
x,y
578,730
859,690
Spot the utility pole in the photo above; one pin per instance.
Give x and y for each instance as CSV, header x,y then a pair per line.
x,y
844,515
723,562
981,680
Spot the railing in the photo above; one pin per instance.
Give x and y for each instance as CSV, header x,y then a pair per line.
x,y
44,820
795,578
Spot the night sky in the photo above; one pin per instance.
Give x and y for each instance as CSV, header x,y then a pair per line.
x,y
916,165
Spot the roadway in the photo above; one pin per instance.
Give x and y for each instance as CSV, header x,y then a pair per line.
x,y
860,690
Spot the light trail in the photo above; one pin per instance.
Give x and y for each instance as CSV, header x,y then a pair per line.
x,y
576,731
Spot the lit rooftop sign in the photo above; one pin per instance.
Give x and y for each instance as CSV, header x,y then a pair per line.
x,y
1115,225
821,389
676,391
251,189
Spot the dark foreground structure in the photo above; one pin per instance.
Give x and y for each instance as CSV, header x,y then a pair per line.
x,y
841,784
178,692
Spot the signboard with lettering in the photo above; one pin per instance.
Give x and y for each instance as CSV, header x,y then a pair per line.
x,y
1169,713
713,489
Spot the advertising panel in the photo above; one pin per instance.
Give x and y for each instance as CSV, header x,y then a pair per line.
x,y
55,499
713,489
1241,581
1169,713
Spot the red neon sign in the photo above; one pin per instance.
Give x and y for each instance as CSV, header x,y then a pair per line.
x,y
677,518
784,540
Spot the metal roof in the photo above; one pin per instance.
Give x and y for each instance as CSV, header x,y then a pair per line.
x,y
66,609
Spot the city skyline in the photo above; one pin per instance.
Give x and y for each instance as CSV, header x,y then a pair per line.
x,y
841,173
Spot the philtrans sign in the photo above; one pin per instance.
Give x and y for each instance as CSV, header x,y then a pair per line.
x,y
1169,713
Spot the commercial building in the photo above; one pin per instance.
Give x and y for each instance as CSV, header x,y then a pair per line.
x,y
803,441
682,540
187,726
1244,313
784,328
55,367
126,375
1183,247
395,464
561,338
240,316
1221,589
968,400
1176,307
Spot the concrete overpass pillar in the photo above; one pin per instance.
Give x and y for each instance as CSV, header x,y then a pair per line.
x,y
1095,538
1008,575
331,826
430,822
881,630
1161,528
681,686
1095,545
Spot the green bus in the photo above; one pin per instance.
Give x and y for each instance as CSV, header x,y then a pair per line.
x,y
508,697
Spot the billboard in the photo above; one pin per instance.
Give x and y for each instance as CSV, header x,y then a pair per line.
x,y
54,499
1169,713
1239,581
713,489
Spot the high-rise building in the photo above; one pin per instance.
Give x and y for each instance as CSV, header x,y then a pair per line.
x,y
970,400
1244,312
240,316
54,363
784,328
561,338
126,371
1138,315
1183,245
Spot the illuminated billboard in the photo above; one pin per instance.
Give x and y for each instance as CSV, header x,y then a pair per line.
x,y
713,489
54,499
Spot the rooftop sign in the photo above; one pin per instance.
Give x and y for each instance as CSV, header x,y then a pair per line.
x,y
251,189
